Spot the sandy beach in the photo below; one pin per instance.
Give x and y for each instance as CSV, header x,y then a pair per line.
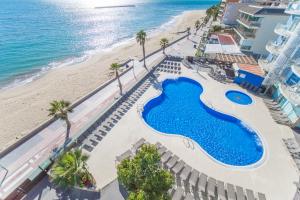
x,y
25,107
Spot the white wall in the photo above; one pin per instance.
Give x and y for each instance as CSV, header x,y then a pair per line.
x,y
266,33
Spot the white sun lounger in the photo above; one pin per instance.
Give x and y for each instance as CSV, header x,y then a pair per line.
x,y
211,187
221,190
202,183
172,161
166,156
230,192
178,194
261,196
161,150
189,196
124,156
250,194
184,175
240,193
194,178
178,167
138,145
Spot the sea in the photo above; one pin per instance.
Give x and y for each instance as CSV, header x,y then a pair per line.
x,y
38,35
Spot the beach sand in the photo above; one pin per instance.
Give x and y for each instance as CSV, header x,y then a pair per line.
x,y
24,107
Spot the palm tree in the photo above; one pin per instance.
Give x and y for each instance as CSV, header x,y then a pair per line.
x,y
71,170
164,42
141,39
60,110
116,67
197,25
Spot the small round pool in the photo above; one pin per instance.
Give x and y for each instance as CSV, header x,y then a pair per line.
x,y
238,97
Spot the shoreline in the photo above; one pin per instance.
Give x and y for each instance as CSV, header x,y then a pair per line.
x,y
25,106
28,77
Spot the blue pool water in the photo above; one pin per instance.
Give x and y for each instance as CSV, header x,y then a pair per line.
x,y
179,110
238,97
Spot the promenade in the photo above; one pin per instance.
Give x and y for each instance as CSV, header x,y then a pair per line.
x,y
28,159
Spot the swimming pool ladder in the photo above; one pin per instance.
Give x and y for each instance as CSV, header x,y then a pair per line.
x,y
189,143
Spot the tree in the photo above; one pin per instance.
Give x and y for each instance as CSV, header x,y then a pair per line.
x,y
164,42
141,39
197,25
116,67
143,177
70,170
60,110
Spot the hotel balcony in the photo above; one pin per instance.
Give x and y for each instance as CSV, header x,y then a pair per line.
x,y
265,64
293,8
291,93
274,48
282,29
248,24
244,34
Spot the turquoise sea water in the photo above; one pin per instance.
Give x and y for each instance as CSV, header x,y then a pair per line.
x,y
36,35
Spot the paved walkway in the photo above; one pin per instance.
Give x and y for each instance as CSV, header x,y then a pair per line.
x,y
20,163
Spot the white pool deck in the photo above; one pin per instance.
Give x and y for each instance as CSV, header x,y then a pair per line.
x,y
274,176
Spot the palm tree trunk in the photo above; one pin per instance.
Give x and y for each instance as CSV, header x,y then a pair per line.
x,y
119,81
144,56
68,130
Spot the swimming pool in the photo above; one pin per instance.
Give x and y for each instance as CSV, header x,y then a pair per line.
x,y
238,97
179,110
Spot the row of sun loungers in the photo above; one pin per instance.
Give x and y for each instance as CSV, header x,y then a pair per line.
x,y
250,87
277,113
190,183
294,150
91,138
169,67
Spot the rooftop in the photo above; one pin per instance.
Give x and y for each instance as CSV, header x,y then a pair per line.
x,y
221,43
253,69
257,10
243,59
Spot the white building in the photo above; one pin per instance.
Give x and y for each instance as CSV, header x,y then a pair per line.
x,y
255,27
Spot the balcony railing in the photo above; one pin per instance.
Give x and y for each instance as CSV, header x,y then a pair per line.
x,y
265,64
291,93
293,8
282,29
250,24
274,48
244,34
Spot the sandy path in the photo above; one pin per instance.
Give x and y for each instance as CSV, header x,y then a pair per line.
x,y
24,107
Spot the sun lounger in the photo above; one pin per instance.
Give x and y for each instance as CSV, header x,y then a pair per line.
x,y
87,145
161,150
261,196
124,156
221,190
158,145
138,145
240,195
189,196
250,194
98,137
194,178
211,187
178,167
165,157
178,194
172,162
230,192
202,183
184,175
